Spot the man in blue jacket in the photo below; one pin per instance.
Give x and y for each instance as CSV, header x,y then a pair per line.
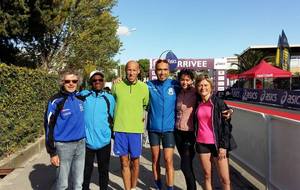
x,y
98,108
65,133
161,121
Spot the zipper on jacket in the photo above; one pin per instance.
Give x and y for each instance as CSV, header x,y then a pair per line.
x,y
163,115
130,88
95,102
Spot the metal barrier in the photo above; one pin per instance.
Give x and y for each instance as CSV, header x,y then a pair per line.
x,y
268,148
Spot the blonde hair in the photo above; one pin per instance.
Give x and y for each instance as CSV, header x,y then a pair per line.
x,y
204,77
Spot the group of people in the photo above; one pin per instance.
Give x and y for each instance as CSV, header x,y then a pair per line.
x,y
78,126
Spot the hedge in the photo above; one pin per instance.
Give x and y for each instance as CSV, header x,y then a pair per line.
x,y
23,96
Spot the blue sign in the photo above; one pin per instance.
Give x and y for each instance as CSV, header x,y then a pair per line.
x,y
172,59
284,98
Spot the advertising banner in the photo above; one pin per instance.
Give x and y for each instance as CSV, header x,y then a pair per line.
x,y
284,98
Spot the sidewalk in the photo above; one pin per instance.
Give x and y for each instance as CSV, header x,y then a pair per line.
x,y
39,175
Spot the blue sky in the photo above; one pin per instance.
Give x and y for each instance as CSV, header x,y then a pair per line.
x,y
203,29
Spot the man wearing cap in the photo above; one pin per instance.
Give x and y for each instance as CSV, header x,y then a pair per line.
x,y
98,104
132,98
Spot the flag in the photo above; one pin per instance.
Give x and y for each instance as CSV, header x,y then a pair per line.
x,y
284,40
277,60
172,59
285,59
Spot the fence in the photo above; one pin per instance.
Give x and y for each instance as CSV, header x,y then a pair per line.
x,y
268,148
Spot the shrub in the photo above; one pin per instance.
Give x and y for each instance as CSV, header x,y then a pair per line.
x,y
23,97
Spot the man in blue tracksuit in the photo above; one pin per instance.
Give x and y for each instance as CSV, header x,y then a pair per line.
x,y
161,121
98,107
65,133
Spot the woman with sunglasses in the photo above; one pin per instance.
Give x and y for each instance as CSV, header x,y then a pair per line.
x,y
65,132
213,133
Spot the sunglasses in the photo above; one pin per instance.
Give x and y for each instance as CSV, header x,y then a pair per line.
x,y
99,80
69,81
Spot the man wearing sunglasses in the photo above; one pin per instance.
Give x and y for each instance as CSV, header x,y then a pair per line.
x,y
98,107
65,132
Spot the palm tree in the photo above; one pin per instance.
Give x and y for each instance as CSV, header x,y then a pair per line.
x,y
248,60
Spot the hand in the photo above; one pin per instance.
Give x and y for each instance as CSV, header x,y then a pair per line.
x,y
222,153
54,160
117,80
227,114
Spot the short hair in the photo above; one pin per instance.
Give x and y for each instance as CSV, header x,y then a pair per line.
x,y
68,71
187,72
204,77
161,61
132,61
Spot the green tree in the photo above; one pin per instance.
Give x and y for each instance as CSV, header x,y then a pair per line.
x,y
249,59
31,32
57,33
144,66
94,36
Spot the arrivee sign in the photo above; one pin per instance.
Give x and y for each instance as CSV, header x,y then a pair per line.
x,y
195,64
190,64
216,67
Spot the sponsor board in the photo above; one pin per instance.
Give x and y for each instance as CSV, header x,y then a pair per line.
x,y
284,98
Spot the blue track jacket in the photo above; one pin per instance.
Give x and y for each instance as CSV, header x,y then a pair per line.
x,y
98,133
162,105
69,125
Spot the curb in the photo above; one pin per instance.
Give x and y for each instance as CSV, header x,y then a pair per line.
x,y
247,175
20,158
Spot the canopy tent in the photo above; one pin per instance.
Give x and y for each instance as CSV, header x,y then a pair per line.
x,y
232,76
265,70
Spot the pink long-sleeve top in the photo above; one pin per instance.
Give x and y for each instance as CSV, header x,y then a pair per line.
x,y
185,107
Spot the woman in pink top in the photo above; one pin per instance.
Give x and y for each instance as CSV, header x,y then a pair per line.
x,y
184,132
213,133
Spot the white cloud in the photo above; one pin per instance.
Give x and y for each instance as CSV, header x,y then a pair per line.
x,y
125,31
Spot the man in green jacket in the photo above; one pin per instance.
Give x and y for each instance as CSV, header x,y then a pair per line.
x,y
132,97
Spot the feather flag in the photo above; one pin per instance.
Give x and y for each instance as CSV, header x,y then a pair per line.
x,y
277,60
285,52
172,59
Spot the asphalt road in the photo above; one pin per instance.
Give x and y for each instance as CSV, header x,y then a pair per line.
x,y
39,175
